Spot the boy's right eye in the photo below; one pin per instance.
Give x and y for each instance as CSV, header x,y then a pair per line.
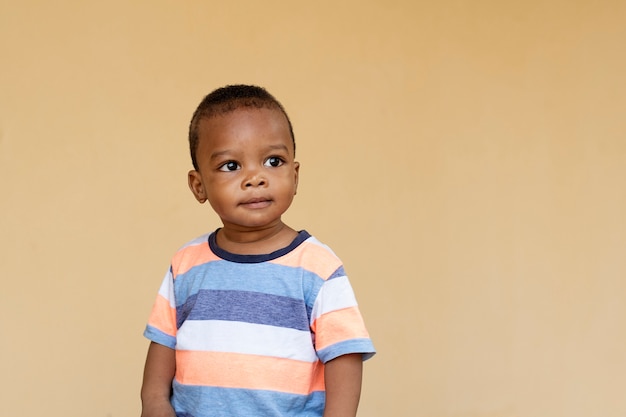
x,y
229,166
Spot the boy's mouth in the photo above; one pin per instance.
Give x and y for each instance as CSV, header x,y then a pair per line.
x,y
259,202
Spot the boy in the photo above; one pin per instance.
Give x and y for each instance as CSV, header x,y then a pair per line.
x,y
255,319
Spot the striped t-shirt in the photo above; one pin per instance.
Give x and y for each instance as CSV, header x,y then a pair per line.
x,y
252,332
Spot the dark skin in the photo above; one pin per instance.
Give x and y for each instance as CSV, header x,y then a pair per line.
x,y
157,382
247,172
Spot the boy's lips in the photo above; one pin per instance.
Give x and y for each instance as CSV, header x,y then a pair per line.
x,y
258,202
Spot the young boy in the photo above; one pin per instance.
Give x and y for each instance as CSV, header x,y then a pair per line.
x,y
255,319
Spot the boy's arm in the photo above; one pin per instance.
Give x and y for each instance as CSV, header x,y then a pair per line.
x,y
157,382
342,377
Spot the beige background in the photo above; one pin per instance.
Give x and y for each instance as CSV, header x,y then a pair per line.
x,y
466,159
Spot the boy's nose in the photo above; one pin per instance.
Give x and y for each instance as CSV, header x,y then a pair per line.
x,y
255,180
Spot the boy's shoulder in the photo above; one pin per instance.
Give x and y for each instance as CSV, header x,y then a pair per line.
x,y
316,257
192,253
200,240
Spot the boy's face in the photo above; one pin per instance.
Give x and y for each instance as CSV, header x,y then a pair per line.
x,y
246,168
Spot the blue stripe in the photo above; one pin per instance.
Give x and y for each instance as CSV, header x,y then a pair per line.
x,y
340,272
364,346
157,336
266,278
245,306
228,402
183,311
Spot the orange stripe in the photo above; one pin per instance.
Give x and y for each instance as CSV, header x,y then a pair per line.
x,y
191,256
233,370
163,316
338,326
313,258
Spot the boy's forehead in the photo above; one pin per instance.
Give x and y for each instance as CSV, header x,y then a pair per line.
x,y
226,125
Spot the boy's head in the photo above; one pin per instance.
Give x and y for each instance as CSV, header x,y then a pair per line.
x,y
243,153
227,99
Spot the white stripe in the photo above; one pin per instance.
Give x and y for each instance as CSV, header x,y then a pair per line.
x,y
335,294
167,289
247,338
313,240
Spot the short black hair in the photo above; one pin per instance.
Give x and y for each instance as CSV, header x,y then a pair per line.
x,y
227,99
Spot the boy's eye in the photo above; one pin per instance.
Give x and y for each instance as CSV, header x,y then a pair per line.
x,y
274,161
229,166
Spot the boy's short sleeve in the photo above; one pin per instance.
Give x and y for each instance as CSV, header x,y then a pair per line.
x,y
337,323
161,327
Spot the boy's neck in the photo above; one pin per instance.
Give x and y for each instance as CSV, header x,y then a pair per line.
x,y
255,241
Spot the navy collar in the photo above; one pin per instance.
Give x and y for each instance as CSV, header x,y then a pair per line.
x,y
251,259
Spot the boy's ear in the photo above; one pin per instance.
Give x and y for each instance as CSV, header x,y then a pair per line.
x,y
297,175
195,185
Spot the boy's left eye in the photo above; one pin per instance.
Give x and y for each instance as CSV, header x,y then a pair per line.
x,y
274,161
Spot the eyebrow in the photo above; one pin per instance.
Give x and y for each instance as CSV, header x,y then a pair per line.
x,y
280,147
218,154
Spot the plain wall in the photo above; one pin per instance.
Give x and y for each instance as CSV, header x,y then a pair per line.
x,y
466,159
